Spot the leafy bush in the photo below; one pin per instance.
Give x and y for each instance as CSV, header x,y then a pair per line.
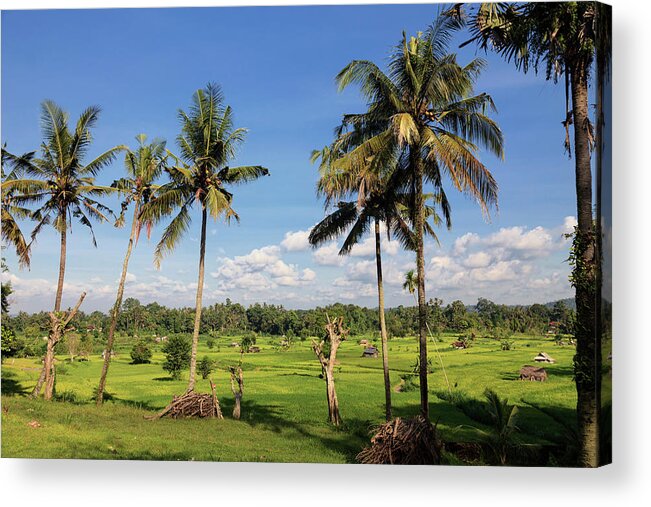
x,y
141,352
177,355
507,344
409,383
11,344
206,366
247,342
210,343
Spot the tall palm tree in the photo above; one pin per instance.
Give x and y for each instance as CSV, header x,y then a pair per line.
x,y
376,204
63,188
207,142
425,110
562,38
143,166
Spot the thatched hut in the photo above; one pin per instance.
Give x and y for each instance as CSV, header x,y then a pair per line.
x,y
370,352
544,358
533,373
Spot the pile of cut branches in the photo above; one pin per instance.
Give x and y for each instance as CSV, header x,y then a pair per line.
x,y
403,442
191,404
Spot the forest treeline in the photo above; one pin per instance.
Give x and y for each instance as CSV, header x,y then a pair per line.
x,y
231,318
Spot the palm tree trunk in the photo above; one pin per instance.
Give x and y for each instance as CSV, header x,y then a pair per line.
x,y
420,270
47,374
585,360
197,313
383,326
116,307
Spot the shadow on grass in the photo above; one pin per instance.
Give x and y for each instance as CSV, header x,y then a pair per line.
x,y
142,405
348,439
294,374
11,386
164,379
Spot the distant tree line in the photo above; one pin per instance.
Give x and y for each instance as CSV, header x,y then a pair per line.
x,y
231,318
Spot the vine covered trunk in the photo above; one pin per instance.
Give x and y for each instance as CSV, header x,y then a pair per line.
x,y
584,279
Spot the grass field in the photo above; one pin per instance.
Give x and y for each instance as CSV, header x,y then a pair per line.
x,y
284,411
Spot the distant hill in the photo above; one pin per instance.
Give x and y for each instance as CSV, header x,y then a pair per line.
x,y
569,302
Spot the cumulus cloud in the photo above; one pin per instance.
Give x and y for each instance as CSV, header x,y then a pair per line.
x,y
462,243
296,241
260,269
328,255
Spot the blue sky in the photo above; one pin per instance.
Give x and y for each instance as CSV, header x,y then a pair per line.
x,y
276,66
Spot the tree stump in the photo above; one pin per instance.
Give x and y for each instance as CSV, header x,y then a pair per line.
x,y
58,328
237,379
335,334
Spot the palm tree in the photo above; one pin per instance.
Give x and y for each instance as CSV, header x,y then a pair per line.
x,y
563,39
424,113
64,189
207,142
376,203
411,281
12,185
143,167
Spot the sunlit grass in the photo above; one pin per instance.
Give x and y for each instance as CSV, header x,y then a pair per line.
x,y
284,415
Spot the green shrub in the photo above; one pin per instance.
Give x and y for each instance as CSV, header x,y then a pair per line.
x,y
141,352
409,383
210,343
177,351
507,344
11,344
205,367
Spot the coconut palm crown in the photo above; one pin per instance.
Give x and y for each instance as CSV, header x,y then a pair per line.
x,y
424,113
199,176
143,166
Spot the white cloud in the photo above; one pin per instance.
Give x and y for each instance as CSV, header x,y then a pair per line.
x,y
296,241
534,243
260,269
477,260
462,243
328,255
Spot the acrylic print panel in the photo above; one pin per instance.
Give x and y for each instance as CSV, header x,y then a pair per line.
x,y
341,234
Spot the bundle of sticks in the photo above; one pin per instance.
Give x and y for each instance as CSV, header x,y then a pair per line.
x,y
191,404
403,442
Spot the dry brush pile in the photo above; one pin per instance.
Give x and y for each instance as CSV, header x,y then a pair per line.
x,y
403,442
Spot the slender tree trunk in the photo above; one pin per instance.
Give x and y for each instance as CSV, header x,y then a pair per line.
x,y
585,360
420,270
197,314
47,372
116,307
383,326
62,263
